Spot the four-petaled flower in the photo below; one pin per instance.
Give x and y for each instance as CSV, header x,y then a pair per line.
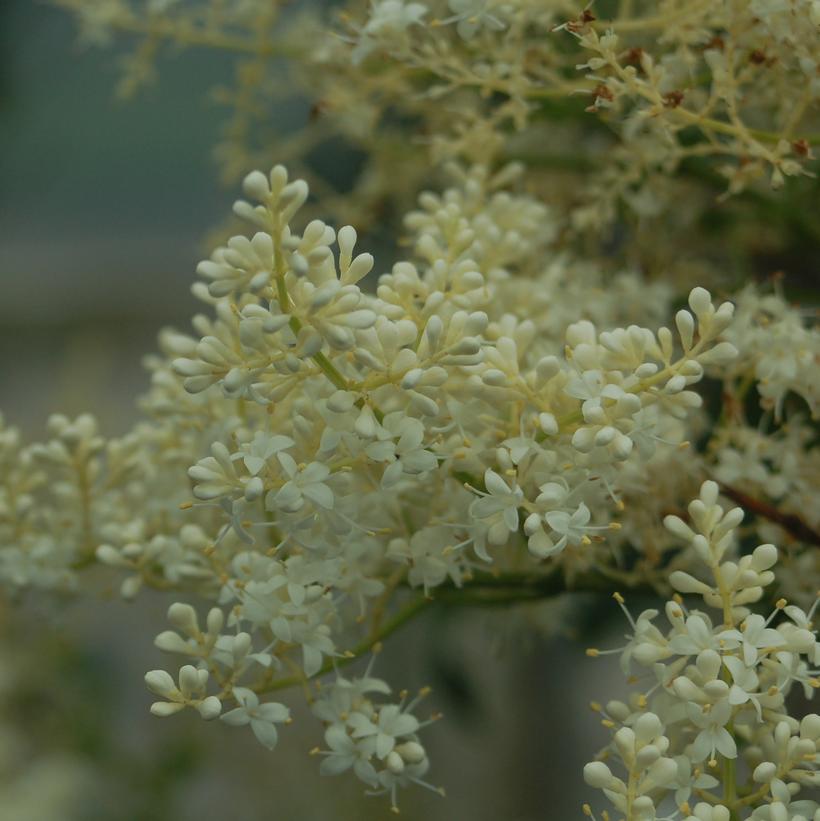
x,y
263,718
570,527
304,482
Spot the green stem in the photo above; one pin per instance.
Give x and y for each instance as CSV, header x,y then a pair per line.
x,y
331,371
399,619
485,591
325,365
730,781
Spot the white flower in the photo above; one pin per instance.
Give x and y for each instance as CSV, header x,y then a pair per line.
x,y
745,684
304,482
404,766
314,639
235,511
696,636
431,556
689,779
647,645
393,15
520,446
570,527
496,510
346,752
263,718
392,724
339,699
587,385
538,543
399,442
387,24
256,453
754,635
713,735
472,15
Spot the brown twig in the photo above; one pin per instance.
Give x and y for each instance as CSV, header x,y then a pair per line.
x,y
788,521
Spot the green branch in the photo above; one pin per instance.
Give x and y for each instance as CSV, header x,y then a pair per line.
x,y
491,590
399,619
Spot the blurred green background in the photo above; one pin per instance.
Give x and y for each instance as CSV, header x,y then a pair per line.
x,y
103,208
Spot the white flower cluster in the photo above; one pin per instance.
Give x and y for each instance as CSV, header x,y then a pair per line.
x,y
340,443
317,452
379,742
492,419
716,691
779,348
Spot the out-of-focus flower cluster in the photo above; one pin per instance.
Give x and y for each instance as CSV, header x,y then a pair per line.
x,y
680,88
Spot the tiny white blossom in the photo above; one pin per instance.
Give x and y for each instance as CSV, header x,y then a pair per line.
x,y
262,718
